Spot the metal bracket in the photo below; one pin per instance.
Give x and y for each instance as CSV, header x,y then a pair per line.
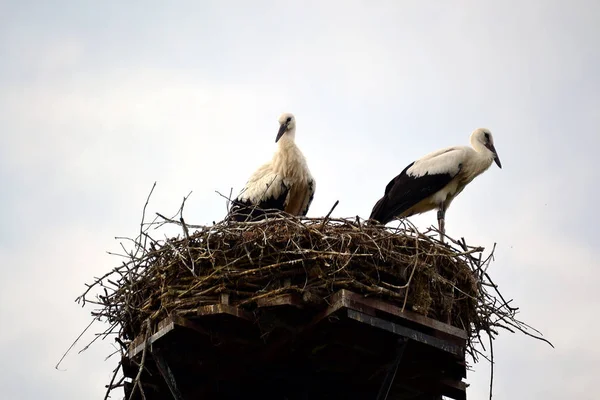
x,y
167,374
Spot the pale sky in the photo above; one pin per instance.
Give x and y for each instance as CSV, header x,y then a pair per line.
x,y
100,99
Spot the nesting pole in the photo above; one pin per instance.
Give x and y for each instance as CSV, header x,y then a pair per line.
x,y
354,347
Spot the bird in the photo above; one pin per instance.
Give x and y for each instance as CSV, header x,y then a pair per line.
x,y
285,183
434,181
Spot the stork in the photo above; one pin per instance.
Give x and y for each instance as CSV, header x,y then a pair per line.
x,y
284,183
433,181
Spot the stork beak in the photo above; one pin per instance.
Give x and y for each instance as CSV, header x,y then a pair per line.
x,y
282,130
496,158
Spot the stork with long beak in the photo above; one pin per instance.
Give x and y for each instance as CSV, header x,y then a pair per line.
x,y
433,181
284,183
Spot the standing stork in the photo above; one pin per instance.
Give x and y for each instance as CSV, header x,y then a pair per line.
x,y
284,183
433,181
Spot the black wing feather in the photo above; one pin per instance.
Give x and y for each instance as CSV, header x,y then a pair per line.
x,y
405,191
246,211
311,188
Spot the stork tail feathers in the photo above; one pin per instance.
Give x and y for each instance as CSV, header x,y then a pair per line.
x,y
379,211
245,212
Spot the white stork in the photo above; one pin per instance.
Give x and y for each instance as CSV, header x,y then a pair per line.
x,y
433,181
284,183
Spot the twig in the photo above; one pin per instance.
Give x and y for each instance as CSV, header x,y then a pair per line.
x,y
73,344
329,214
136,382
112,380
491,365
144,216
186,233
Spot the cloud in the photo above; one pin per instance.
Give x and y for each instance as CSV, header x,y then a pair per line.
x,y
96,105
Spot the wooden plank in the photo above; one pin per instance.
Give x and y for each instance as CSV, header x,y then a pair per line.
x,y
454,389
224,298
336,302
358,302
405,332
443,332
288,299
164,327
186,323
216,309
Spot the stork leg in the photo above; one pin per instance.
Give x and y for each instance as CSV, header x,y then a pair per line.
x,y
441,214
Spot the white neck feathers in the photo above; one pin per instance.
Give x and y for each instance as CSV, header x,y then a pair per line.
x,y
480,161
482,151
288,160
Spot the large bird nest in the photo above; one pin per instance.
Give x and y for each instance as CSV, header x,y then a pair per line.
x,y
250,261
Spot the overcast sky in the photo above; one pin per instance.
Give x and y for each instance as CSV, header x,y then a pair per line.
x,y
99,99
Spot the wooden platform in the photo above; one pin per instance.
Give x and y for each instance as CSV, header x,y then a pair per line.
x,y
350,347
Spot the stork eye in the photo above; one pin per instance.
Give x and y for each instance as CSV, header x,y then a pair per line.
x,y
487,136
288,119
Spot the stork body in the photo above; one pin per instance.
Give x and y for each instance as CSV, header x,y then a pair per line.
x,y
433,181
284,183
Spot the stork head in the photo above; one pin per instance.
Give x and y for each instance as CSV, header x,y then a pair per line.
x,y
482,138
287,123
